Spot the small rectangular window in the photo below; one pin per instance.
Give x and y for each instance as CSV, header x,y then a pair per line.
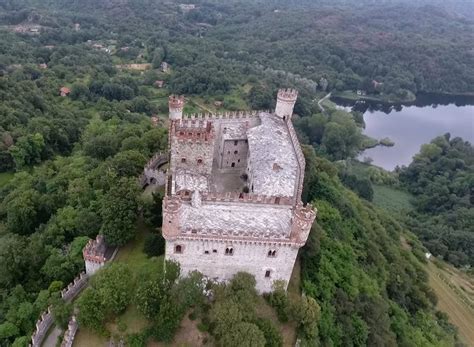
x,y
214,251
267,274
183,160
206,252
236,143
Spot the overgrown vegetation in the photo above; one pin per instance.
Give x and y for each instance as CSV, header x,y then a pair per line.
x,y
76,158
441,177
371,291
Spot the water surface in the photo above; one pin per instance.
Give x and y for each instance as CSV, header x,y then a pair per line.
x,y
413,125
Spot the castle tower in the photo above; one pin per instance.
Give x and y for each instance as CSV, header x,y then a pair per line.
x,y
171,209
286,100
94,254
176,106
303,218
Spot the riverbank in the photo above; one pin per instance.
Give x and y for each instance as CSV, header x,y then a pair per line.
x,y
351,96
387,104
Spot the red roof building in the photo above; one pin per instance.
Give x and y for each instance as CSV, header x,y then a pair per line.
x,y
64,91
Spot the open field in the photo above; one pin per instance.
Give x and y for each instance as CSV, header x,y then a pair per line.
x,y
455,292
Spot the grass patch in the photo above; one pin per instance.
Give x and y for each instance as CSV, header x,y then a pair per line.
x,y
88,338
132,252
5,177
392,199
131,319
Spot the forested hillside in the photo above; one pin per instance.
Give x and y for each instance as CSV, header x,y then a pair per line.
x,y
372,291
74,159
441,177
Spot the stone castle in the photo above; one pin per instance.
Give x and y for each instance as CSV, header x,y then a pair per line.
x,y
233,193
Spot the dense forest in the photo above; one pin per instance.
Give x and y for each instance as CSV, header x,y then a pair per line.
x,y
441,177
75,159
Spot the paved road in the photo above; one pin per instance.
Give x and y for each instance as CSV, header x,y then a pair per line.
x,y
52,339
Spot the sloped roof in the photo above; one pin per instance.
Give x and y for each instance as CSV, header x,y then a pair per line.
x,y
274,166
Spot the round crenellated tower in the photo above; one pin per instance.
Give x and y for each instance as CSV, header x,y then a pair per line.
x,y
176,106
303,218
286,100
171,209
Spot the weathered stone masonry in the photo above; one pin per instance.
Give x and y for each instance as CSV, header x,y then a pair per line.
x,y
233,193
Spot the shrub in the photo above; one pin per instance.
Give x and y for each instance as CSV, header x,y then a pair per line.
x,y
203,327
154,245
279,300
273,337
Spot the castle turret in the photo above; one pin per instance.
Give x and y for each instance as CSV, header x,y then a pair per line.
x,y
171,208
303,218
286,100
94,254
176,105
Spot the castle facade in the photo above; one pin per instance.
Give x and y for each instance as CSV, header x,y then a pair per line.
x,y
233,193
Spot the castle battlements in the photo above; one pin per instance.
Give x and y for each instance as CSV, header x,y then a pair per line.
x,y
233,192
176,101
225,115
236,197
157,160
94,251
287,94
186,130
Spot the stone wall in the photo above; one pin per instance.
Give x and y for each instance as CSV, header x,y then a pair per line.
x,y
196,157
234,154
75,287
152,174
42,327
70,333
209,257
299,157
225,115
232,197
46,320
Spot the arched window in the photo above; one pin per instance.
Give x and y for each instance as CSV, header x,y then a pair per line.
x,y
268,274
272,253
229,251
178,249
183,160
199,161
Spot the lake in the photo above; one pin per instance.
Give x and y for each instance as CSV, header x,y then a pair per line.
x,y
410,126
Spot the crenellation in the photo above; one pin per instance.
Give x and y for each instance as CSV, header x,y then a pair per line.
x,y
233,192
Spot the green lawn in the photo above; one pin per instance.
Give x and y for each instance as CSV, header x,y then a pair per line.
x,y
132,252
392,199
5,177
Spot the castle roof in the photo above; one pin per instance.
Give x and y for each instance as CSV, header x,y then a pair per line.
x,y
187,180
273,162
236,219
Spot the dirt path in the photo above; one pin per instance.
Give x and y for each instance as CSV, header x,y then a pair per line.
x,y
320,101
460,314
